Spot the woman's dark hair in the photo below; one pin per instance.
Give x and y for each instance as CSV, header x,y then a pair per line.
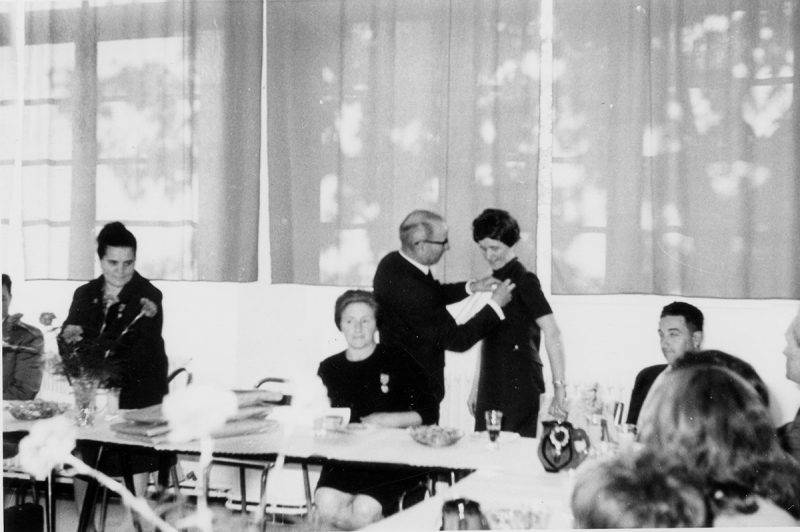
x,y
714,422
712,357
496,224
115,234
350,297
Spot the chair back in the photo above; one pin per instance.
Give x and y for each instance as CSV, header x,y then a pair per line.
x,y
178,379
287,399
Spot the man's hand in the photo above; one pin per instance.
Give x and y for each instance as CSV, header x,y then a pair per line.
x,y
487,284
502,294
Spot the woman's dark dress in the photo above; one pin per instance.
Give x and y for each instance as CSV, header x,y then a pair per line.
x,y
142,359
511,377
387,381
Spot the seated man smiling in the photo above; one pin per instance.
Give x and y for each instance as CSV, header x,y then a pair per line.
x,y
381,386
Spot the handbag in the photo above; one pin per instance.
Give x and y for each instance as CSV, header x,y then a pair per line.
x,y
562,446
24,516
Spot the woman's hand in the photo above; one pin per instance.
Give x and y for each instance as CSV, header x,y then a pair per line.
x,y
472,400
393,419
558,406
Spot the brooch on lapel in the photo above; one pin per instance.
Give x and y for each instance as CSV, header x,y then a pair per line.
x,y
384,383
120,309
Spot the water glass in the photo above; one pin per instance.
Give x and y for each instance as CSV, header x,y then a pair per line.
x,y
112,403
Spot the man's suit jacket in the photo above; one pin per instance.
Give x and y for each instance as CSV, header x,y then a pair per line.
x,y
412,316
641,387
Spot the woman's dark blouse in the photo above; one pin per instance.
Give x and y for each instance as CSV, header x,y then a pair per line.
x,y
388,381
143,360
511,370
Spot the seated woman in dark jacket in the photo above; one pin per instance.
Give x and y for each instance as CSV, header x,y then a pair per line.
x,y
381,386
105,308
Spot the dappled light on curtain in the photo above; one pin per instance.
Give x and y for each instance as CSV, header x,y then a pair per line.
x,y
146,112
675,148
376,108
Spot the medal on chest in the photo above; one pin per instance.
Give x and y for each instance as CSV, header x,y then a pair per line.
x,y
384,383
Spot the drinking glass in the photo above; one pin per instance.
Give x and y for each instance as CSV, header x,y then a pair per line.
x,y
494,422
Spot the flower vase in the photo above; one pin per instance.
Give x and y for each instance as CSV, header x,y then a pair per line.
x,y
85,390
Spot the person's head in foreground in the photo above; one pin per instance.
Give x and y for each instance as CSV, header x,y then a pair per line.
x,y
680,329
635,490
712,357
714,423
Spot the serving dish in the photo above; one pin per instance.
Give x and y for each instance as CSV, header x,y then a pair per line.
x,y
36,409
435,436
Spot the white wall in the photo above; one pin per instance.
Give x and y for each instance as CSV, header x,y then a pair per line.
x,y
234,334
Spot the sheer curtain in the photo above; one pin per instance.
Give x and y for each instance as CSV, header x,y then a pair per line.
x,y
675,148
140,111
379,107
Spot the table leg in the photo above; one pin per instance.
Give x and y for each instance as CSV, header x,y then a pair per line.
x,y
87,510
50,506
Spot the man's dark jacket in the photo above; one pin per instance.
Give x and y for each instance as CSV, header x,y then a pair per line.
x,y
641,387
413,317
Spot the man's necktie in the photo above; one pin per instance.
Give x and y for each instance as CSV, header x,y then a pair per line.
x,y
430,277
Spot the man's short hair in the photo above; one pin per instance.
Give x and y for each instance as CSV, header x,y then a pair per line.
x,y
692,315
7,283
418,223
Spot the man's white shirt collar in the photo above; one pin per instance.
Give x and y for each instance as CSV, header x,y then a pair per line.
x,y
421,267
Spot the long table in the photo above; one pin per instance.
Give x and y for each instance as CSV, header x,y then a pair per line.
x,y
508,474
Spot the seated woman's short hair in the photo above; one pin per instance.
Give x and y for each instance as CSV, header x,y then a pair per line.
x,y
350,297
115,234
715,423
636,490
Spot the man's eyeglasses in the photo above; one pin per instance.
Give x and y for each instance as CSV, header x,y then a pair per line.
x,y
441,243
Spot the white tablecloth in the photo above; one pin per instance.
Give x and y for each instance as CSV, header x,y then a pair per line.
x,y
493,489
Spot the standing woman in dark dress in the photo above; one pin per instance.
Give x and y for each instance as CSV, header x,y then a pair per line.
x,y
382,386
103,308
508,374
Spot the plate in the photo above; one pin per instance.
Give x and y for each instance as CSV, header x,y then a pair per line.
x,y
435,436
37,409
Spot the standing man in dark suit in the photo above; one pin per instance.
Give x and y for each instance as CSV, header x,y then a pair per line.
x,y
412,304
681,331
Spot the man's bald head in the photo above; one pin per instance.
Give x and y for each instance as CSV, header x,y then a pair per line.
x,y
423,236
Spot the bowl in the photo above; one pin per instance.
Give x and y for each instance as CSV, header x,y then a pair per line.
x,y
435,436
37,409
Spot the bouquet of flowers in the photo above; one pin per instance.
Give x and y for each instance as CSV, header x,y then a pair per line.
x,y
83,357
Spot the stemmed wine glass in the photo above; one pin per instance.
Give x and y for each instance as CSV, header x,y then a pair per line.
x,y
494,422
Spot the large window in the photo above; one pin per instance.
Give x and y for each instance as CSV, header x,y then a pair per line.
x,y
144,112
675,148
